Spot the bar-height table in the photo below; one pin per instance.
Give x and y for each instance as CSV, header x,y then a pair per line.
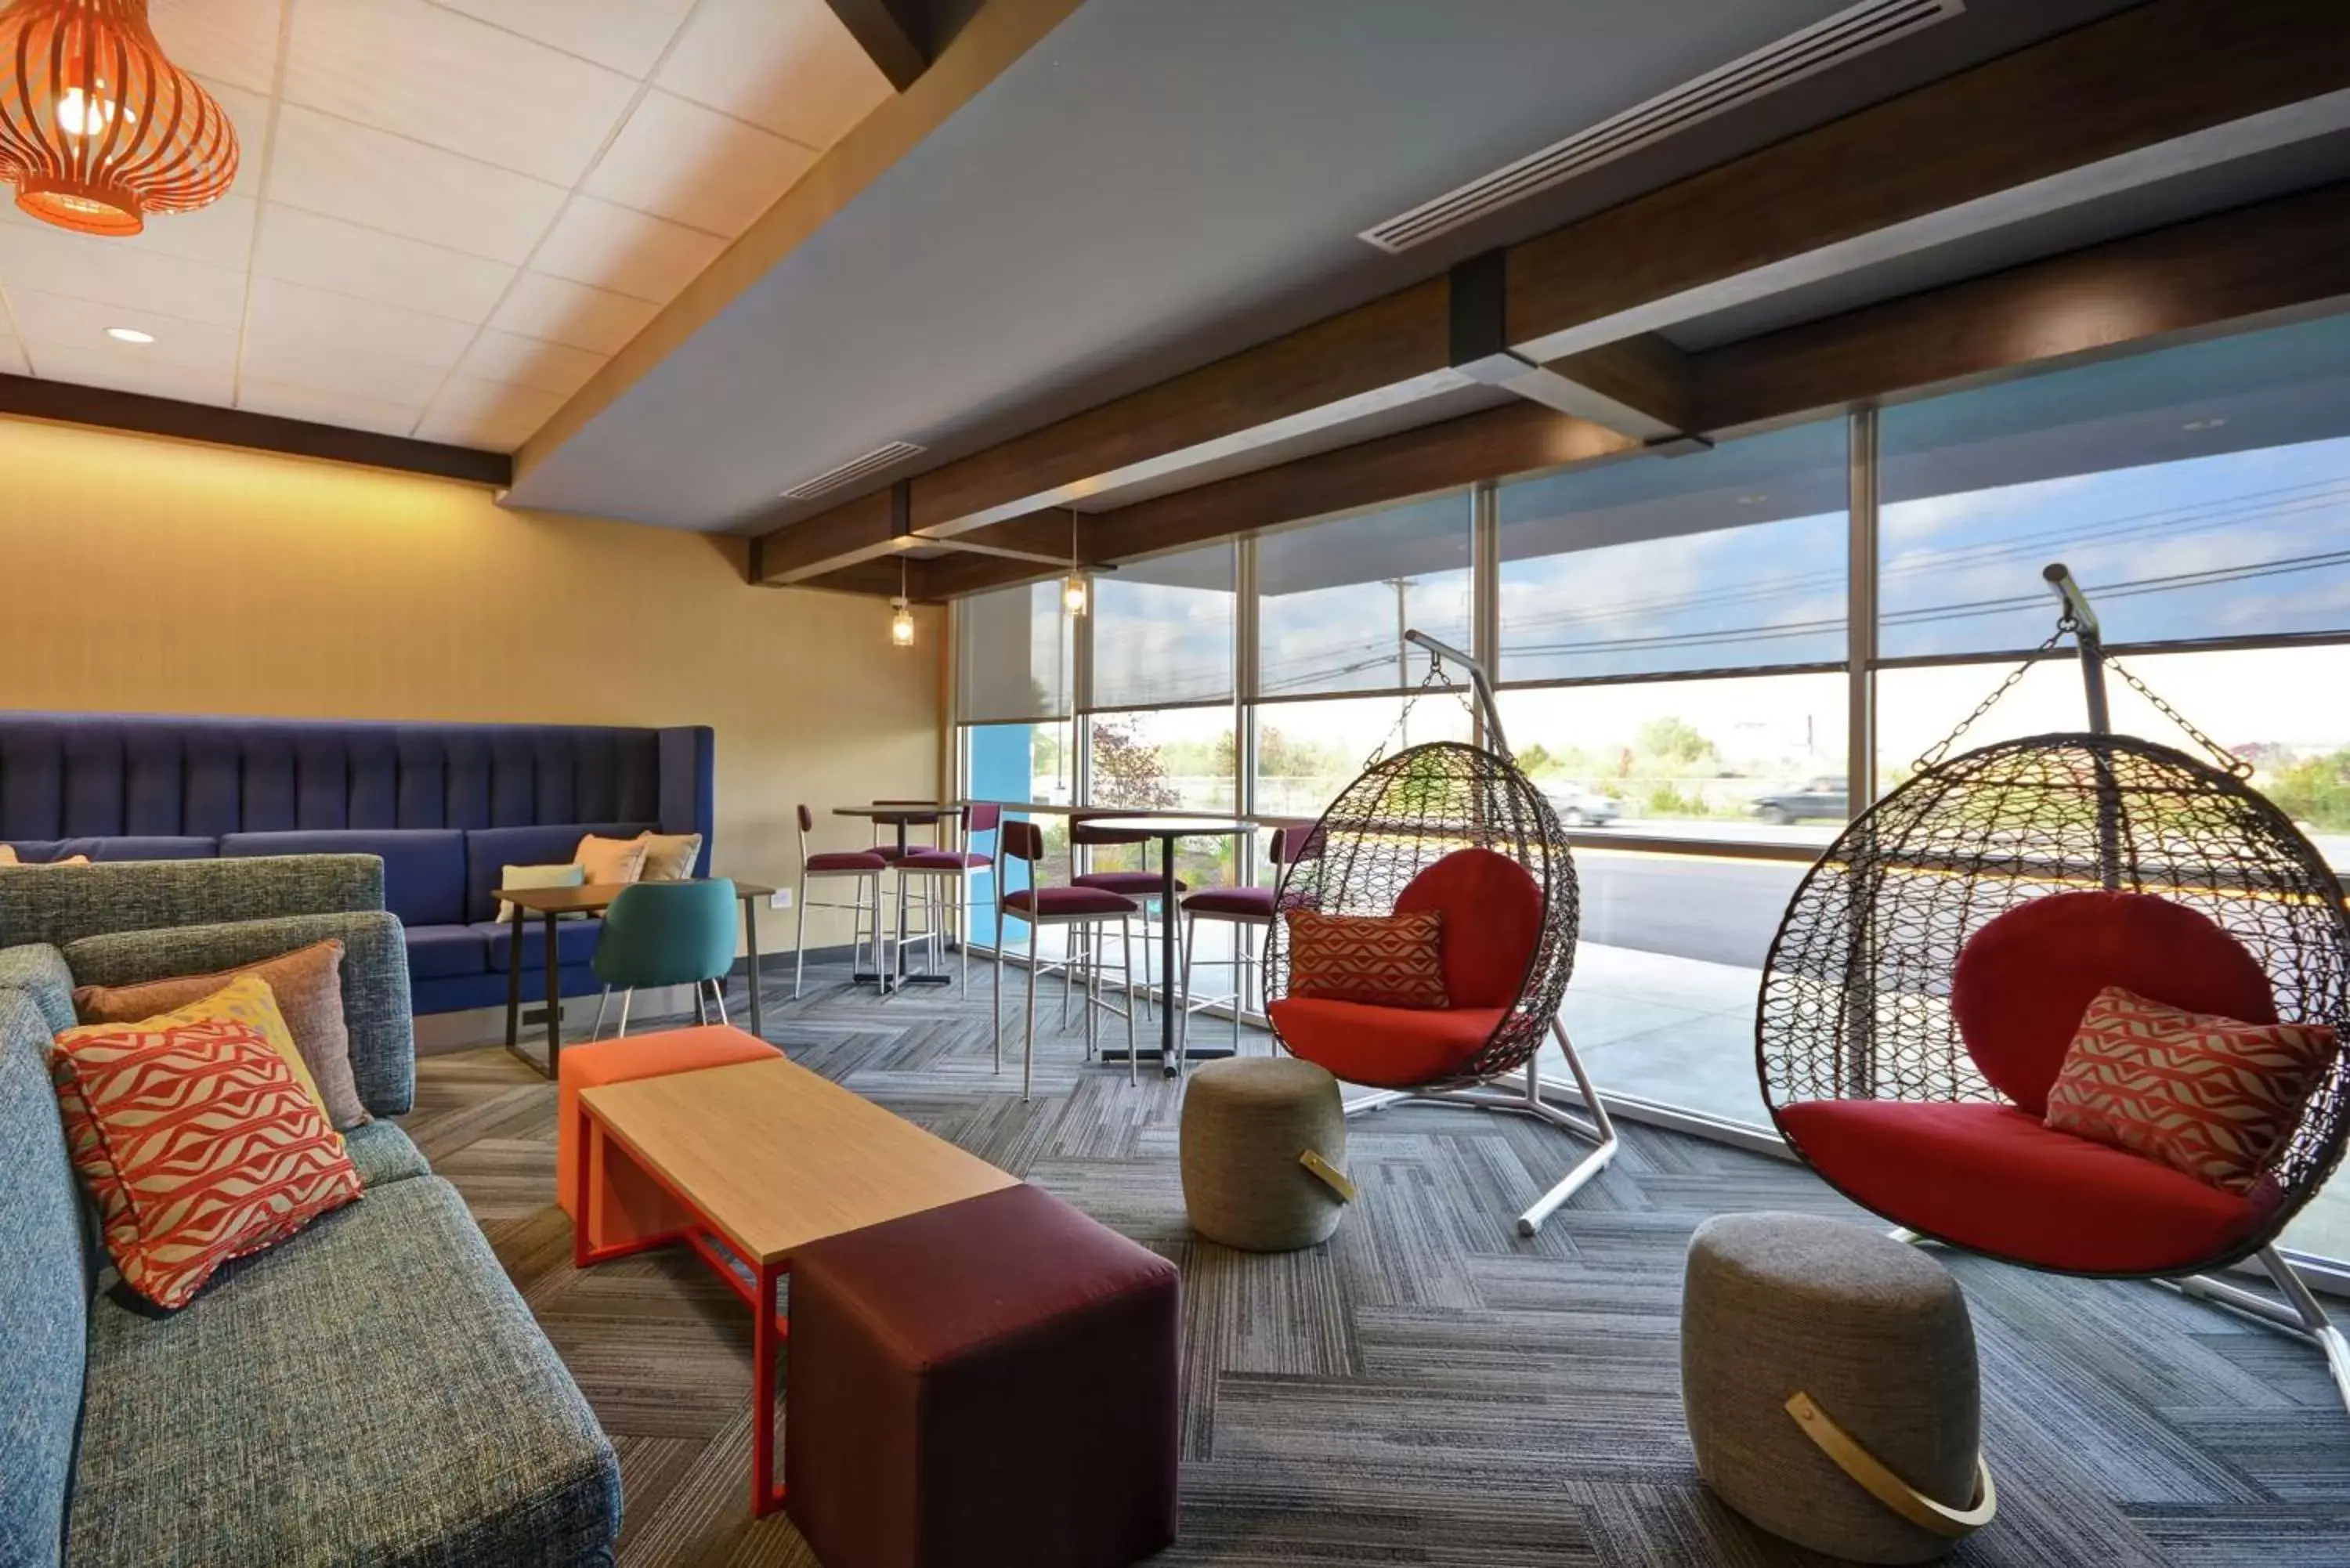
x,y
1166,830
551,904
901,814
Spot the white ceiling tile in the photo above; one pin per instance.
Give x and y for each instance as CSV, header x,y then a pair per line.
x,y
528,362
219,236
296,313
787,65
678,159
472,413
572,313
626,34
618,248
83,266
423,72
326,407
309,247
384,181
80,324
12,357
128,373
232,41
296,363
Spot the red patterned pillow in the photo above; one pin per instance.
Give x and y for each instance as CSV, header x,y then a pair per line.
x,y
199,1144
2209,1096
1389,960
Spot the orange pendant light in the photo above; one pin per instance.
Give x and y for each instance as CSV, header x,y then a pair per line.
x,y
97,128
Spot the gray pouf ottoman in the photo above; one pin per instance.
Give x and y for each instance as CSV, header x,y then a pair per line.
x,y
1877,1336
1250,1125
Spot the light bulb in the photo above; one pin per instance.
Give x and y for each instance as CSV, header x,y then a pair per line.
x,y
1073,594
901,624
86,114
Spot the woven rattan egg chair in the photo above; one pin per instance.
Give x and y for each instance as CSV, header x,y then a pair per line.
x,y
1459,829
1934,966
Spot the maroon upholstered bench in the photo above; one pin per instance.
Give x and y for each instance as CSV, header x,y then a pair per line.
x,y
992,1382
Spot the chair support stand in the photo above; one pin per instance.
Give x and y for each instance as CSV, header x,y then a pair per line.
x,y
2300,1314
1530,1100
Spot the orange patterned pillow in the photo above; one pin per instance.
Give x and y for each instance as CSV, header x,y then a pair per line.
x,y
2209,1096
1388,961
199,1146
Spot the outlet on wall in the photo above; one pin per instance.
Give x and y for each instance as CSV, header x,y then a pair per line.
x,y
781,899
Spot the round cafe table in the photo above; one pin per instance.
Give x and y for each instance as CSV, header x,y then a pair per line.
x,y
901,814
1166,830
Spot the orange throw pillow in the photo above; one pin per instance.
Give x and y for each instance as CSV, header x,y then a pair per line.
x,y
198,1145
610,859
1388,961
307,984
2209,1097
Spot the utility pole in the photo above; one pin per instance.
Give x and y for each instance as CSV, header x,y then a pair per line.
x,y
1402,587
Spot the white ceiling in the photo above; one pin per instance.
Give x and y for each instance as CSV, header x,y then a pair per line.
x,y
449,213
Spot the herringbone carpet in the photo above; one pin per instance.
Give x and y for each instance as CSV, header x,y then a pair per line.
x,y
1426,1389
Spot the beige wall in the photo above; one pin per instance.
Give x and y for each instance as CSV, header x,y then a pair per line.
x,y
147,575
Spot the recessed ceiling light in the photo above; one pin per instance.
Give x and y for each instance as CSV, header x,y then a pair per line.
x,y
2203,424
129,334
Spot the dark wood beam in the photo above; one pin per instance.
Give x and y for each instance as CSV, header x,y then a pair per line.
x,y
854,531
2151,90
1516,438
2288,254
135,411
878,579
894,34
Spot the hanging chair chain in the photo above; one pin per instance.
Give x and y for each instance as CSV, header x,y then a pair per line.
x,y
2229,761
2067,624
1941,748
1433,679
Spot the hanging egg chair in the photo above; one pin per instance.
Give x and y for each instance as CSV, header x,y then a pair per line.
x,y
1458,830
1935,965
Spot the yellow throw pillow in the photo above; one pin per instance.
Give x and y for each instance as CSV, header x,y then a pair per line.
x,y
669,857
9,858
7,854
609,860
246,999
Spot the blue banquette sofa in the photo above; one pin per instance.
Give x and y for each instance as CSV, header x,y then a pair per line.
x,y
447,807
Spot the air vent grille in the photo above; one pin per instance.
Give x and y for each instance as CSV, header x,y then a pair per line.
x,y
1825,44
884,456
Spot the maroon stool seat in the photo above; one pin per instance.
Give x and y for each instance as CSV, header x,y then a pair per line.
x,y
845,860
1068,901
1256,901
987,1383
1142,884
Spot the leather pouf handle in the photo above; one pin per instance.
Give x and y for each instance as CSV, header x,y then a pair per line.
x,y
1334,1178
1889,1489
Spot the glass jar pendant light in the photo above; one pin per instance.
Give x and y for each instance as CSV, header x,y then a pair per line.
x,y
1073,587
901,612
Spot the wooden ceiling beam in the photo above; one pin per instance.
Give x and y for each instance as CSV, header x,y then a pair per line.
x,y
2289,255
2153,91
894,34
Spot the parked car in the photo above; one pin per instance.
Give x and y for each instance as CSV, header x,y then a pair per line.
x,y
1822,797
1579,807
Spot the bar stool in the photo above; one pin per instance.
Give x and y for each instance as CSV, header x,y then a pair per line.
x,y
862,867
1248,911
1144,887
1075,907
960,865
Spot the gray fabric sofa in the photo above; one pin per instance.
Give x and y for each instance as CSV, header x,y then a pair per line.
x,y
371,1391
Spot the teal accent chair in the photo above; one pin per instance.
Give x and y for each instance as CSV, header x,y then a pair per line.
x,y
667,933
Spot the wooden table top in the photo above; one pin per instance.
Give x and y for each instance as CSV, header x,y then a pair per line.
x,y
776,1156
595,897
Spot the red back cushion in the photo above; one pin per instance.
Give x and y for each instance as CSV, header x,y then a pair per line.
x,y
1492,921
2023,982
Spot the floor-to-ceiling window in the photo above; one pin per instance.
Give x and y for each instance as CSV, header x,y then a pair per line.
x,y
1016,695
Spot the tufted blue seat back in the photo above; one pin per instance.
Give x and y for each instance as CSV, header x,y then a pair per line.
x,y
103,775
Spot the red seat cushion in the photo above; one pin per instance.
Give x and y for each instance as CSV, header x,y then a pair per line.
x,y
846,860
1387,1047
2023,982
944,860
1135,882
1998,1180
1256,902
1492,921
1068,901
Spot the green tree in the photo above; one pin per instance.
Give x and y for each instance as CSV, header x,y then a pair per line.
x,y
2314,790
1675,740
1127,771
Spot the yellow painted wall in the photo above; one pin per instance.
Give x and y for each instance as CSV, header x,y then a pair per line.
x,y
149,576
